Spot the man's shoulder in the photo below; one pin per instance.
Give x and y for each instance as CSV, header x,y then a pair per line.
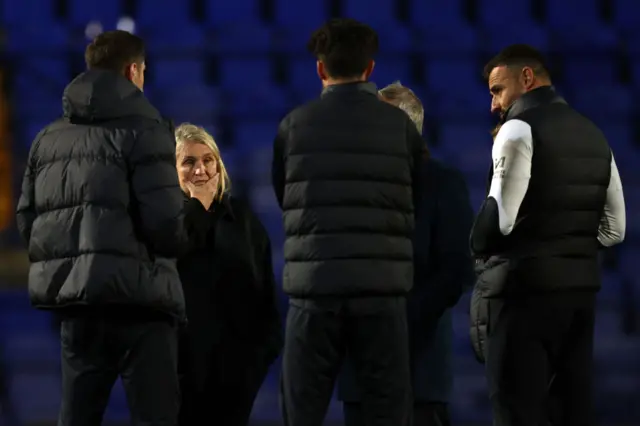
x,y
304,109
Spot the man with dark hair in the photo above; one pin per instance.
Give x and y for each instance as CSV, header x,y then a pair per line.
x,y
442,271
344,171
102,214
554,199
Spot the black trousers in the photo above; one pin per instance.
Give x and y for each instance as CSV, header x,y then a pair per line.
x,y
139,348
532,340
424,414
319,333
223,388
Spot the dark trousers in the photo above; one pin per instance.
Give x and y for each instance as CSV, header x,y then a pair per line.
x,y
424,414
532,339
141,349
223,388
319,333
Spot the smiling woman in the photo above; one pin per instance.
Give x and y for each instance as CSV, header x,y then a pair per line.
x,y
201,170
233,334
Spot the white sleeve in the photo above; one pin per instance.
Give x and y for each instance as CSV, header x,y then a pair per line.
x,y
512,153
613,223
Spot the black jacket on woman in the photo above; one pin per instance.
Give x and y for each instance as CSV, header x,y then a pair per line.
x,y
234,328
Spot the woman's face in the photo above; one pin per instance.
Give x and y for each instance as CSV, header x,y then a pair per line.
x,y
195,164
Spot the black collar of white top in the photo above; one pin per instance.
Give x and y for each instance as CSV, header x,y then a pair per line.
x,y
541,96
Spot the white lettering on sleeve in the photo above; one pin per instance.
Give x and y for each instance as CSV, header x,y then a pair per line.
x,y
512,153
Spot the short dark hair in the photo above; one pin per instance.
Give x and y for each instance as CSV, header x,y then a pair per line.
x,y
345,46
518,55
114,50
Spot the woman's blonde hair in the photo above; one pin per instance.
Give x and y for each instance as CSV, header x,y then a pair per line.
x,y
187,132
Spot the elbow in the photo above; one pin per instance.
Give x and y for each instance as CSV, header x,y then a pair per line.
x,y
612,238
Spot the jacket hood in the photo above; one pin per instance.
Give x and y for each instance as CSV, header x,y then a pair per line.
x,y
98,95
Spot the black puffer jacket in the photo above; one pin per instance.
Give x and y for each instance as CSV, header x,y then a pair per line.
x,y
101,209
344,173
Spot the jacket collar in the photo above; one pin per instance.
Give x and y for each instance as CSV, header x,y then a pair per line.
x,y
541,96
222,206
360,86
225,206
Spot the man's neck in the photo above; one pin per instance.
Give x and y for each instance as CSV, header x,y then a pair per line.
x,y
337,81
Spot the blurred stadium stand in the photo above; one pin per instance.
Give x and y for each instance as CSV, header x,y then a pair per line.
x,y
237,66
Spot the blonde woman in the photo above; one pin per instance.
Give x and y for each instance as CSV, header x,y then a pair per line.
x,y
233,333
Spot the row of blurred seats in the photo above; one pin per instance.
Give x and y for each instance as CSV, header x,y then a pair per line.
x,y
39,34
419,13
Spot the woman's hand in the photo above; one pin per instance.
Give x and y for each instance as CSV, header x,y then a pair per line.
x,y
205,193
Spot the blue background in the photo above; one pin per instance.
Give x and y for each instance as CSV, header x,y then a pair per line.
x,y
237,66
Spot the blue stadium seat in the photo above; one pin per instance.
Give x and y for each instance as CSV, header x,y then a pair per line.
x,y
28,14
618,132
172,70
395,39
629,254
635,73
467,145
223,13
81,12
499,37
47,37
250,135
45,105
173,17
41,74
261,196
245,73
303,78
272,221
589,53
474,101
259,172
188,41
459,41
459,135
627,156
632,45
378,14
592,69
306,15
390,69
239,40
569,14
232,161
175,57
495,13
292,40
452,73
609,295
188,101
264,100
435,13
586,41
626,14
589,99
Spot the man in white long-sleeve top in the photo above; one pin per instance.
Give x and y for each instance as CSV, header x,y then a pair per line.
x,y
554,199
